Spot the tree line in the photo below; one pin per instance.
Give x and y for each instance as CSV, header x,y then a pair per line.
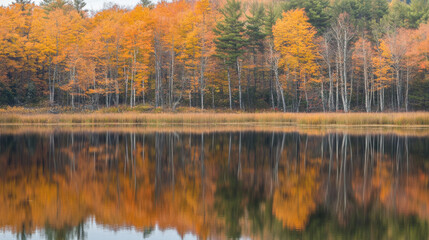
x,y
295,55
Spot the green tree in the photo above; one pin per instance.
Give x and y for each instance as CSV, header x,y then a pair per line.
x,y
254,28
146,3
50,5
271,16
419,13
230,41
362,12
256,35
22,1
398,14
318,12
79,5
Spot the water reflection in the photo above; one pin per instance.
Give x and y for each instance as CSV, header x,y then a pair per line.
x,y
215,185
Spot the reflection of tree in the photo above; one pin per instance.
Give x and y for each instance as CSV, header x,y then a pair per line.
x,y
267,186
295,198
229,204
65,233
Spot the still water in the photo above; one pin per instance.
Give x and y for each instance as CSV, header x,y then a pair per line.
x,y
221,184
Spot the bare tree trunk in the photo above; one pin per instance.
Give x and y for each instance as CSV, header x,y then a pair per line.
x,y
406,89
107,90
365,78
239,83
322,94
116,75
345,73
327,57
279,85
331,89
229,88
213,97
202,83
381,98
72,80
398,88
305,93
157,76
126,85
271,91
171,95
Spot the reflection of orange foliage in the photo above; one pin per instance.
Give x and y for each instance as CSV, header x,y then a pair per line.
x,y
415,199
407,194
31,197
98,180
295,199
382,179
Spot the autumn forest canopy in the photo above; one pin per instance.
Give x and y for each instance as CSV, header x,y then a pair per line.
x,y
293,55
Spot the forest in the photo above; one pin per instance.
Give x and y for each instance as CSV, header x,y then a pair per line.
x,y
290,56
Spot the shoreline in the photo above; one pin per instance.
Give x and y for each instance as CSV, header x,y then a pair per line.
x,y
209,129
389,120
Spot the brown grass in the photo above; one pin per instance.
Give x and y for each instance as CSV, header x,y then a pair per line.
x,y
293,119
204,129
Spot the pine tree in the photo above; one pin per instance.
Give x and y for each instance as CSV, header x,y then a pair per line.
x,y
318,12
256,36
230,41
254,28
146,3
50,5
79,5
22,1
271,17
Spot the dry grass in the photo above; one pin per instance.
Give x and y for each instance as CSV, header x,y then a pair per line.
x,y
204,129
295,119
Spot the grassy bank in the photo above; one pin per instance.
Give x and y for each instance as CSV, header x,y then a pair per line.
x,y
349,119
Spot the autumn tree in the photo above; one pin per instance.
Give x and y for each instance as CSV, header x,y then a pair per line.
x,y
204,23
137,48
294,38
382,70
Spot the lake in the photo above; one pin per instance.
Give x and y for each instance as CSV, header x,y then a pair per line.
x,y
213,183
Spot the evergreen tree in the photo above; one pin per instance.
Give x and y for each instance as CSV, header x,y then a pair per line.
x,y
50,5
230,41
398,14
146,3
23,1
270,19
318,12
363,13
254,28
79,5
419,13
255,36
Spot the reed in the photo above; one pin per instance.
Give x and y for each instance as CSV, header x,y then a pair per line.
x,y
204,129
348,119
